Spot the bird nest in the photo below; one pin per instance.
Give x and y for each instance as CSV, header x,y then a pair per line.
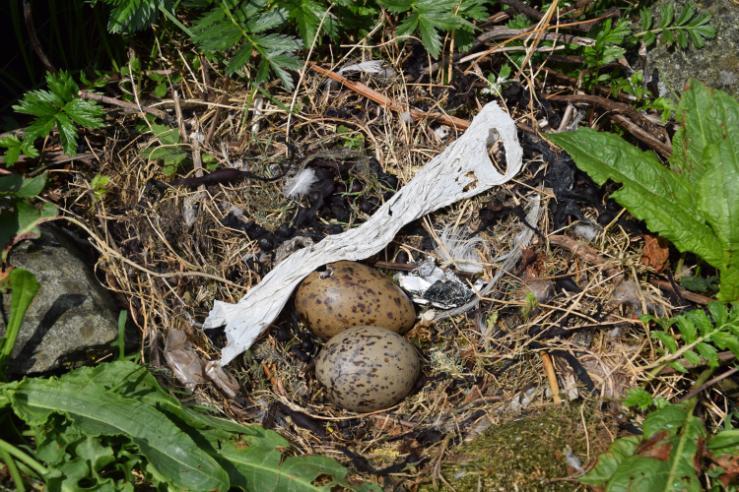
x,y
560,327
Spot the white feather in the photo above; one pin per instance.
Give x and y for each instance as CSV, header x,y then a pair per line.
x,y
458,248
300,184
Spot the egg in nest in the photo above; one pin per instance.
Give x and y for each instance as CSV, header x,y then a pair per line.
x,y
367,368
348,294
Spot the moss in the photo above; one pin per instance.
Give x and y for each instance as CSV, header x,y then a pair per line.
x,y
527,453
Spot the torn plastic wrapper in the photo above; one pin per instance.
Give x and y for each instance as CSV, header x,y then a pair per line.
x,y
429,284
461,171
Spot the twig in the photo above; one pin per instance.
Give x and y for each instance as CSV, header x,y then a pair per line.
x,y
125,105
55,158
521,7
587,253
551,377
35,43
619,109
709,383
373,95
665,150
178,114
685,294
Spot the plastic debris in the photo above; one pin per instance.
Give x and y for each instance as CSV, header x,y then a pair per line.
x,y
461,171
429,284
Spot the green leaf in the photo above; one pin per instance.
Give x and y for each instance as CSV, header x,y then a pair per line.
x,y
60,108
20,221
609,462
725,442
98,412
127,16
15,148
694,205
638,397
261,469
21,187
667,340
23,288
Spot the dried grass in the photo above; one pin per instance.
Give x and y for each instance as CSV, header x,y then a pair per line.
x,y
477,367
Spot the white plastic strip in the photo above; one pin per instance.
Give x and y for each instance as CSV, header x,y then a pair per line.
x,y
461,171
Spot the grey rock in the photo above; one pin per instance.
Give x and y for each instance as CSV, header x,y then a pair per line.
x,y
716,64
72,315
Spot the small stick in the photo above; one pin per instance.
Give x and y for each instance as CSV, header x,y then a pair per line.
x,y
665,149
685,294
373,95
551,377
33,38
125,105
178,114
709,383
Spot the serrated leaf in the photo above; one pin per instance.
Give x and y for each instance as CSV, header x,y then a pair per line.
x,y
697,207
15,148
638,397
59,107
128,16
709,353
687,329
691,357
726,341
610,461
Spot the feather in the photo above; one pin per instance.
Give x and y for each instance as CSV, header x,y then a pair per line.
x,y
300,184
458,248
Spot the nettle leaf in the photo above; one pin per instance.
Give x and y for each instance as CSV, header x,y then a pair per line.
x,y
432,17
695,204
128,16
60,108
240,28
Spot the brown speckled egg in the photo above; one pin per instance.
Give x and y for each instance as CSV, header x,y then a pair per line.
x,y
348,294
366,368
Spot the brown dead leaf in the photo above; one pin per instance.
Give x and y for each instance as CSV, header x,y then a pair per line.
x,y
656,447
730,465
655,253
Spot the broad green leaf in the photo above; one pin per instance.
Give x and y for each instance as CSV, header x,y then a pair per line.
x,y
663,199
640,474
695,204
20,187
23,288
262,469
610,461
100,412
20,221
725,442
706,116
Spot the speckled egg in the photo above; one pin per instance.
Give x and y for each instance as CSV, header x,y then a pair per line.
x,y
366,368
348,294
